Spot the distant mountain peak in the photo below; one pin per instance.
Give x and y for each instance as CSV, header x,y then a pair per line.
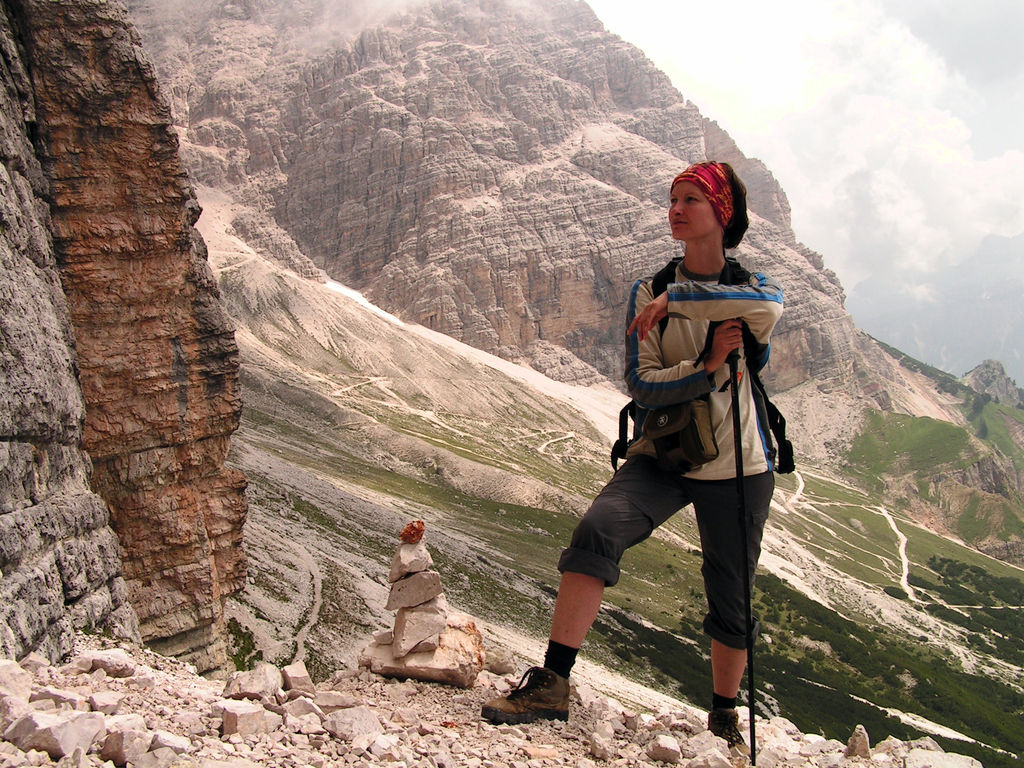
x,y
990,378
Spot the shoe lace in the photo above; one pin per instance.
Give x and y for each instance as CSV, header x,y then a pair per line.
x,y
728,729
534,677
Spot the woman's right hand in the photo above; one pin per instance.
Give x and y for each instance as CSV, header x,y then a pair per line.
x,y
728,336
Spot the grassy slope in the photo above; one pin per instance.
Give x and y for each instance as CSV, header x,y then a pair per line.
x,y
819,666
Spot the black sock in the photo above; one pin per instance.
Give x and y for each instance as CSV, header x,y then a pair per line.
x,y
560,658
721,702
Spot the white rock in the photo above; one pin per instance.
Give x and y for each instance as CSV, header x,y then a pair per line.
x,y
414,625
107,702
664,749
928,758
328,701
770,757
142,680
414,589
712,759
600,746
272,721
409,558
162,757
302,707
261,682
457,660
63,699
173,741
858,745
11,708
295,677
309,724
130,721
115,662
14,681
245,718
126,746
57,735
348,724
430,644
385,744
701,742
33,662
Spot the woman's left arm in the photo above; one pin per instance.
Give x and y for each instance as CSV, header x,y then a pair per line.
x,y
758,303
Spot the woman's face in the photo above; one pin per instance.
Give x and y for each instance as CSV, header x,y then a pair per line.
x,y
690,215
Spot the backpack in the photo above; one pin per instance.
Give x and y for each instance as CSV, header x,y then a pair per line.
x,y
733,274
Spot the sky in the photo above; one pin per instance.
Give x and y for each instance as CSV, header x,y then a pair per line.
x,y
895,128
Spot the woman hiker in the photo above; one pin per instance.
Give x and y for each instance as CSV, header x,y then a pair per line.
x,y
713,306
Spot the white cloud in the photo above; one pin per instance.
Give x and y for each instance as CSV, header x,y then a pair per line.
x,y
866,118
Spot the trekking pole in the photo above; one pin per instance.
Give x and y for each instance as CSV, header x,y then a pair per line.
x,y
733,361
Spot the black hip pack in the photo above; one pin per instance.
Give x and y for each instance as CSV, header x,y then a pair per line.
x,y
682,435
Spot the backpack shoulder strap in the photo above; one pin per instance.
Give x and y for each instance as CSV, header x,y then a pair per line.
x,y
660,282
734,274
619,449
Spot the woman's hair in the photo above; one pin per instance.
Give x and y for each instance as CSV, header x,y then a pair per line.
x,y
737,226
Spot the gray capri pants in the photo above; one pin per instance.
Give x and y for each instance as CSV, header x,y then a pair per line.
x,y
640,497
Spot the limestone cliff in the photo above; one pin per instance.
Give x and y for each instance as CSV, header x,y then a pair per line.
x,y
153,349
59,563
494,170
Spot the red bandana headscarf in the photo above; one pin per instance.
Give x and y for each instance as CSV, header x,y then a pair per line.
x,y
714,183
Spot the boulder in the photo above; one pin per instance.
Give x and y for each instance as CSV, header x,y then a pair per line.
x,y
350,724
56,734
409,558
858,745
295,677
457,661
126,746
260,683
664,749
115,662
414,589
245,718
419,623
14,681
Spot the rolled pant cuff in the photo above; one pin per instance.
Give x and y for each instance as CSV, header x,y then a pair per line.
x,y
729,639
590,564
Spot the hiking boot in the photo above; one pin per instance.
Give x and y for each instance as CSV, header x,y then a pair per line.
x,y
540,695
726,724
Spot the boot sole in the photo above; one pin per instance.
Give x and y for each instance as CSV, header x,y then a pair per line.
x,y
497,716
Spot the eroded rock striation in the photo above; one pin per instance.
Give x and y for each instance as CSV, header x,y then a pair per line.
x,y
493,170
59,562
153,349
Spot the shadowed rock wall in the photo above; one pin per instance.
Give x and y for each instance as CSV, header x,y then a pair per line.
x,y
155,351
59,562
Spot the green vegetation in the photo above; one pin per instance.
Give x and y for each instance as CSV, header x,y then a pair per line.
x,y
241,646
897,444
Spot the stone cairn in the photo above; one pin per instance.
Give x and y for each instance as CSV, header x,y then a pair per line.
x,y
427,642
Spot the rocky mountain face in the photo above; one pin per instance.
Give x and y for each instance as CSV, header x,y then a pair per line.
x,y
990,378
496,171
122,357
60,567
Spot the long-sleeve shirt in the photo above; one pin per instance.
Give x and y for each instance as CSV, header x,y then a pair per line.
x,y
663,369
